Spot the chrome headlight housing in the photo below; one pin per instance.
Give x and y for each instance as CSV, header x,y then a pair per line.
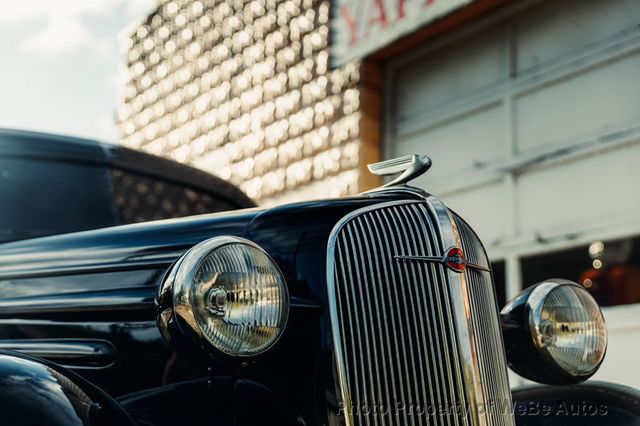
x,y
567,327
554,333
227,295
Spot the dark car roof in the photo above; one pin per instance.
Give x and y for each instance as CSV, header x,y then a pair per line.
x,y
43,145
20,143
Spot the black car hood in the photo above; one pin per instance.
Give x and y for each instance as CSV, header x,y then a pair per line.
x,y
120,247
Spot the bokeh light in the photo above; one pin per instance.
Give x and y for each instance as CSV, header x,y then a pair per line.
x,y
242,89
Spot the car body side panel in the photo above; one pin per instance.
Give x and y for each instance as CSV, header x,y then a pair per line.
x,y
101,284
35,392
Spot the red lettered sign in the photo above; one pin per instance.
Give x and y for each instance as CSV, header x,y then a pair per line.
x,y
364,26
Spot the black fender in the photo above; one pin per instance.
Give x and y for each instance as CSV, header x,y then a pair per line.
x,y
35,392
220,400
584,404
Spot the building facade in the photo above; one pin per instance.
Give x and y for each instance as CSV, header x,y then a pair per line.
x,y
529,110
243,89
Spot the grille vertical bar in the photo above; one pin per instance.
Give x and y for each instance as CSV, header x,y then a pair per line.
x,y
401,353
485,325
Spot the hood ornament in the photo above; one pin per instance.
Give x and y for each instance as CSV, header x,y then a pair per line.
x,y
453,259
409,167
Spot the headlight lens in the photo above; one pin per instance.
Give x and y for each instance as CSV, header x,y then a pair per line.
x,y
232,295
567,326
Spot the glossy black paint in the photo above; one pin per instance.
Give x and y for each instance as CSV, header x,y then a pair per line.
x,y
100,284
522,355
25,144
56,184
585,404
296,236
222,400
35,392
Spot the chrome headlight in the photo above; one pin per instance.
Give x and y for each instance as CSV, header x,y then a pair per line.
x,y
226,294
567,326
554,333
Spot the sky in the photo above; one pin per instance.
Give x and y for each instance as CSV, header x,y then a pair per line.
x,y
60,62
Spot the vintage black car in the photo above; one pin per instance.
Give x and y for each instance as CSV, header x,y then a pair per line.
x,y
376,309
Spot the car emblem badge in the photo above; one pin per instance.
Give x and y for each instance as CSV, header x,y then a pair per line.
x,y
453,259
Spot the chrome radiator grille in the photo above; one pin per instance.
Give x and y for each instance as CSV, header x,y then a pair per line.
x,y
415,342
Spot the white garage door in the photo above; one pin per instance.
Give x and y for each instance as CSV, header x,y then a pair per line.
x,y
532,119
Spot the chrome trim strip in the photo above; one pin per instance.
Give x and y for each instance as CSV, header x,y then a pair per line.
x,y
440,259
442,310
116,300
93,268
78,354
486,320
461,311
462,299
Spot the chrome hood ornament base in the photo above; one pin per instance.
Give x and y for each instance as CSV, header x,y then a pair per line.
x,y
409,167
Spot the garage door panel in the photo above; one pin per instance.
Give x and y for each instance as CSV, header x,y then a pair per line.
x,y
480,136
562,27
554,106
582,192
485,208
441,76
593,101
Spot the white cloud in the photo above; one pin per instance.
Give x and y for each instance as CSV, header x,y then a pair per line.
x,y
65,27
58,37
30,10
138,8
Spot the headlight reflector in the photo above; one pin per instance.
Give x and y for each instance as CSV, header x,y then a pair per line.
x,y
229,295
567,327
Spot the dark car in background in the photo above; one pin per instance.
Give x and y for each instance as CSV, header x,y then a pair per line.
x,y
376,309
52,185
